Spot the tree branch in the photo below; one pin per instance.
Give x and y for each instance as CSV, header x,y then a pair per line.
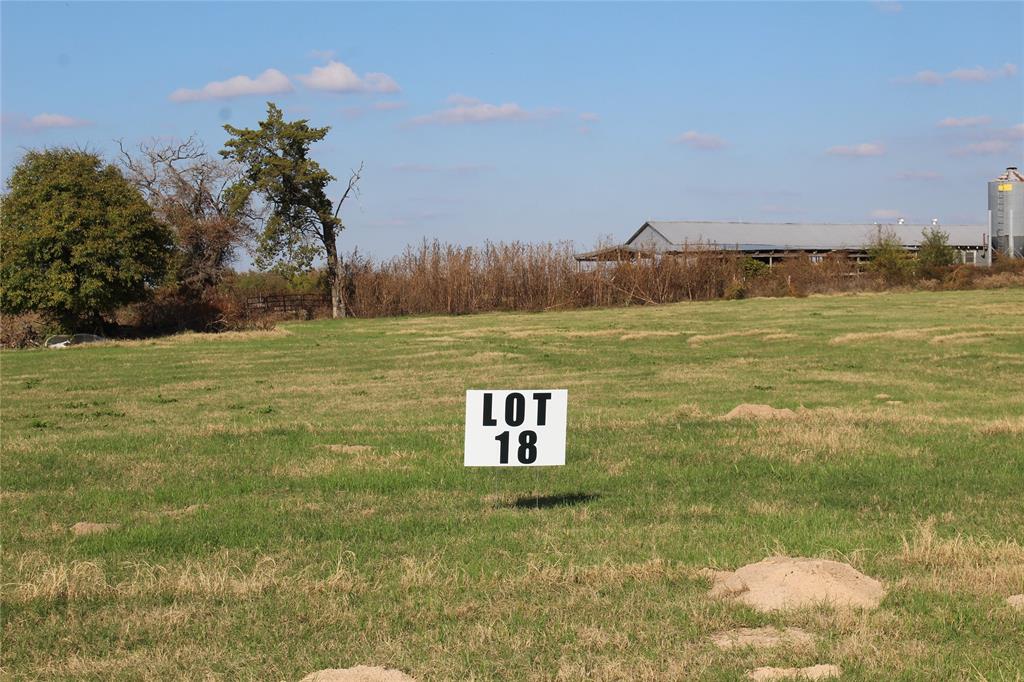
x,y
353,188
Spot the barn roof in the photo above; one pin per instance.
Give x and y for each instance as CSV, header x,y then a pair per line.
x,y
796,236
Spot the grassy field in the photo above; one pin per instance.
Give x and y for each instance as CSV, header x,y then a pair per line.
x,y
295,500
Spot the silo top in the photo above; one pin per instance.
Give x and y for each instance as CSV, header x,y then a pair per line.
x,y
1010,175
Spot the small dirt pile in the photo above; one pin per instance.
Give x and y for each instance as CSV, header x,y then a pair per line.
x,y
762,638
814,672
89,528
752,411
1016,601
360,673
781,583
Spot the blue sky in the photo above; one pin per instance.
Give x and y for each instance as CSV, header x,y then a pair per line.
x,y
538,121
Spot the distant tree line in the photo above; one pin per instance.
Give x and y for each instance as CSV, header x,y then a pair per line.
x,y
147,242
82,237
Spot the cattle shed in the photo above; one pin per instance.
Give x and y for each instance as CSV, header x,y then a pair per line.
x,y
768,242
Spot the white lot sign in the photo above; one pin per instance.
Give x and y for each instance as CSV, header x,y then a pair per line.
x,y
515,428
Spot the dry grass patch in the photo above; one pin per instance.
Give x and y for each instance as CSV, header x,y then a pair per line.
x,y
186,338
348,449
891,335
687,411
974,336
446,352
999,309
821,671
179,513
1008,426
798,440
646,334
310,468
608,574
700,339
141,663
241,431
395,460
90,528
618,465
436,339
769,508
753,411
596,637
763,638
361,456
38,577
491,356
962,564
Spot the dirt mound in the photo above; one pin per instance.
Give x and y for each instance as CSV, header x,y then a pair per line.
x,y
89,528
782,583
1016,601
762,638
752,411
360,673
814,672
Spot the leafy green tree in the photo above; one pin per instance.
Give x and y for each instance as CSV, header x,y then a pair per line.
x,y
889,259
935,252
302,222
78,239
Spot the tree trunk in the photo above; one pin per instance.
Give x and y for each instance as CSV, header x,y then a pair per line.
x,y
335,277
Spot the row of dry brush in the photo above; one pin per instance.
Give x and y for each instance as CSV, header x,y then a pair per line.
x,y
442,278
438,278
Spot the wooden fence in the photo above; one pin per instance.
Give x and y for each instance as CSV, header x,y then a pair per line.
x,y
285,303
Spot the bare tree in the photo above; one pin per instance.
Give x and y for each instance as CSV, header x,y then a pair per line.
x,y
187,189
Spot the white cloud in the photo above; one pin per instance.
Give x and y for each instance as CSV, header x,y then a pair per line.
x,y
322,55
982,75
590,117
982,148
335,76
705,141
862,150
964,122
458,100
977,74
888,7
463,109
270,82
1000,141
926,78
919,175
886,213
48,121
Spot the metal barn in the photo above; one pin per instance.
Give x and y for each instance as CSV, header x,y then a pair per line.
x,y
768,242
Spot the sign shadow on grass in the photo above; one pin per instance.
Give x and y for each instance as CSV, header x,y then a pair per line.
x,y
549,501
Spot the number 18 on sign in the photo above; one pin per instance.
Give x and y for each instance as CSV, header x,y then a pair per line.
x,y
515,428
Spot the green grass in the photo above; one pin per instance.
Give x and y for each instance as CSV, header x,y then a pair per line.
x,y
250,548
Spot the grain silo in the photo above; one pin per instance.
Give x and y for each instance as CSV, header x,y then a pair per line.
x,y
1006,213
